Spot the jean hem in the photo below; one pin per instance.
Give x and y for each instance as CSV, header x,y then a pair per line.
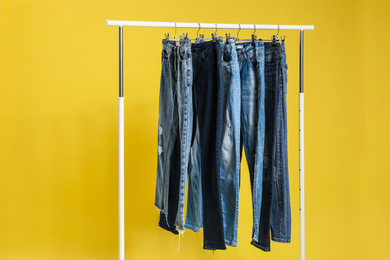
x,y
193,228
180,228
259,246
214,247
231,243
168,229
160,208
281,240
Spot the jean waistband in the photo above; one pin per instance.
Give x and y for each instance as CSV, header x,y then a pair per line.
x,y
248,50
205,51
274,48
170,46
226,50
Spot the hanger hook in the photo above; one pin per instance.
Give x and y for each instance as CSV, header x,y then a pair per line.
x,y
239,29
198,31
175,29
216,29
254,26
278,30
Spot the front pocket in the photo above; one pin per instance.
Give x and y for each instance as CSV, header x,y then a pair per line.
x,y
165,55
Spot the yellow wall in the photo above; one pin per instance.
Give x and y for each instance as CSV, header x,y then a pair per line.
x,y
58,128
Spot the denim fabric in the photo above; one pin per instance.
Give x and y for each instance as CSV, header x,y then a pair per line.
x,y
228,136
175,122
211,73
281,208
251,61
275,212
205,89
168,221
194,216
251,69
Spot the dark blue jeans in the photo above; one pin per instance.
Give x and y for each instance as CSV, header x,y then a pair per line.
x,y
205,92
275,215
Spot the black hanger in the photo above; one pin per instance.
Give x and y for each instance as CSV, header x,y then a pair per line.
x,y
254,36
275,38
227,37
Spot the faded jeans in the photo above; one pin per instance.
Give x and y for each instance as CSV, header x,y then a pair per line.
x,y
174,133
251,61
228,136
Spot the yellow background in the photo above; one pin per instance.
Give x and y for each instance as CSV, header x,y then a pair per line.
x,y
58,128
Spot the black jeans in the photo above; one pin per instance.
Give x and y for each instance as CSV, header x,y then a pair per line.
x,y
205,92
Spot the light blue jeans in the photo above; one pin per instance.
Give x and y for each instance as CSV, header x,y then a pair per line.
x,y
228,155
251,61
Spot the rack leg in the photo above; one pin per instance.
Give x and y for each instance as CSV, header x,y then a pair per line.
x,y
121,151
301,153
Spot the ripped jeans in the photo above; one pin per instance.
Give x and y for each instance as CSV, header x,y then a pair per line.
x,y
174,133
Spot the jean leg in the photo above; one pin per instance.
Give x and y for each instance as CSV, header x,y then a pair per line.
x,y
281,210
263,240
228,133
167,221
194,214
185,121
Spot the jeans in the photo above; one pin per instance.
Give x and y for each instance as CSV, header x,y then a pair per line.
x,y
275,212
205,89
232,87
251,61
174,132
228,136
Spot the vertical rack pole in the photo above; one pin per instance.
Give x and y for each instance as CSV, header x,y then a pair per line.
x,y
301,153
121,150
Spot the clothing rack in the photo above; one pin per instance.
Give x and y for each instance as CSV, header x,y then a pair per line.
x,y
216,26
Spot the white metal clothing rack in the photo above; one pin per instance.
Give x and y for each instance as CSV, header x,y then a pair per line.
x,y
121,189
